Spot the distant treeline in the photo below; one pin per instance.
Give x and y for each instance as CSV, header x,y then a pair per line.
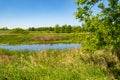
x,y
4,28
57,29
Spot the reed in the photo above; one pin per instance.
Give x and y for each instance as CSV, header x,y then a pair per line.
x,y
70,64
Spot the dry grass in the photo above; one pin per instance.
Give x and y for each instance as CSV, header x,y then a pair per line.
x,y
46,38
5,59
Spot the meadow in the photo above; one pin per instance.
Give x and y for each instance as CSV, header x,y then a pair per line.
x,y
68,64
34,37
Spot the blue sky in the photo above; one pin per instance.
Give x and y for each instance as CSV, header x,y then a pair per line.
x,y
28,13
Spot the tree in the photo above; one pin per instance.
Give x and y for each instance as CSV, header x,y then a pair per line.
x,y
104,27
57,28
63,28
69,28
77,29
31,29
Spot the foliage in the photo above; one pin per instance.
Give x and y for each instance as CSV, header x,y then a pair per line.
x,y
104,27
31,29
4,28
57,29
19,30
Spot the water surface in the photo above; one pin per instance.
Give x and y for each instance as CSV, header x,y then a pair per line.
x,y
37,47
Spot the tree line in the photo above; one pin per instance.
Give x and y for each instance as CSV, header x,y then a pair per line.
x,y
56,29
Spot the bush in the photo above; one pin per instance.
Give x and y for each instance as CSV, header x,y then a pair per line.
x,y
19,30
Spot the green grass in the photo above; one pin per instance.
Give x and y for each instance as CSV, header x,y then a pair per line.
x,y
55,65
15,38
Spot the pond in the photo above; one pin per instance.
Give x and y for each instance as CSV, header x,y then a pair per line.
x,y
37,47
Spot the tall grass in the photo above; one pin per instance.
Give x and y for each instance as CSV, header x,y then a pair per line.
x,y
69,64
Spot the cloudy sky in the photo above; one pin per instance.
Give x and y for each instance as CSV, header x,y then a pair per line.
x,y
28,13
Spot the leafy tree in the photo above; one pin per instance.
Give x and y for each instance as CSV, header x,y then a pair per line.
x,y
69,28
63,28
104,27
57,29
66,29
31,29
51,29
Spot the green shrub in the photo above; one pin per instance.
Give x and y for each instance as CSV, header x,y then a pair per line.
x,y
19,30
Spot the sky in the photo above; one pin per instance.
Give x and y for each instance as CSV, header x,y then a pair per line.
x,y
37,13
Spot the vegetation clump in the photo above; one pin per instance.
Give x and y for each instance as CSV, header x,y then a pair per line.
x,y
104,27
19,30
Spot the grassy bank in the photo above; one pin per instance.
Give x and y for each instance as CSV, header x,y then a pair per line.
x,y
7,37
57,65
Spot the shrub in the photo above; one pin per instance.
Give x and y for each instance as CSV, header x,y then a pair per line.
x,y
19,30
